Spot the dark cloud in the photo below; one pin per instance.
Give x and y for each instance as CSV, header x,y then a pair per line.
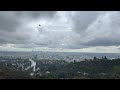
x,y
12,29
8,22
103,42
82,20
71,30
35,14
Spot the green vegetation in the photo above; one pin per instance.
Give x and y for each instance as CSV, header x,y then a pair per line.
x,y
59,69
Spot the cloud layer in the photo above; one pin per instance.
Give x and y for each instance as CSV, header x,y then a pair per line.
x,y
59,29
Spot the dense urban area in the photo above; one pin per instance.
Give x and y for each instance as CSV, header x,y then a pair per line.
x,y
54,67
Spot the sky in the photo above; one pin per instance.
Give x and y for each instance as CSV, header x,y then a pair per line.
x,y
62,31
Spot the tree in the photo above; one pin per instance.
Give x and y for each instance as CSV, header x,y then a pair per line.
x,y
94,58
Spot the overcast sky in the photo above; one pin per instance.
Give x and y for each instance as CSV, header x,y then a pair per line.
x,y
76,31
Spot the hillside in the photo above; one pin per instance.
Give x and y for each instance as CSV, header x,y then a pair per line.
x,y
103,68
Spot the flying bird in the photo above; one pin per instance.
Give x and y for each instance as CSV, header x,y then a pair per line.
x,y
39,25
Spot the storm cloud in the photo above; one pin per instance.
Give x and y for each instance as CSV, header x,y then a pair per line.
x,y
60,29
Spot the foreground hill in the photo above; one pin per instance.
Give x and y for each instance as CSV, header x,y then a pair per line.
x,y
103,68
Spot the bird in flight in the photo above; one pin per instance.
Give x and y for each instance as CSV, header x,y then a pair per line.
x,y
39,25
